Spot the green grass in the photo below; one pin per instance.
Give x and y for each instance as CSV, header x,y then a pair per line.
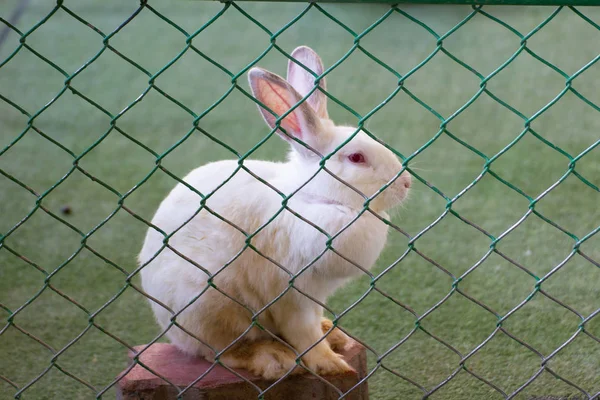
x,y
530,165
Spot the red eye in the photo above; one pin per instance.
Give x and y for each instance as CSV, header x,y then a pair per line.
x,y
356,158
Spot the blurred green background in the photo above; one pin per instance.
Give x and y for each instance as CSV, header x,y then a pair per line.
x,y
234,41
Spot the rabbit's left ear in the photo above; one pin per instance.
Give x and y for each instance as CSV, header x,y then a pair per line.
x,y
303,81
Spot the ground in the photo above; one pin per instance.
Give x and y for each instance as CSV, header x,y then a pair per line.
x,y
531,166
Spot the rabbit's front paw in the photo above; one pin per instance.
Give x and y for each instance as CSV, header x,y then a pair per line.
x,y
326,362
336,338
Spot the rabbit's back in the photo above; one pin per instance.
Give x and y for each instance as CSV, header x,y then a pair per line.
x,y
202,242
202,234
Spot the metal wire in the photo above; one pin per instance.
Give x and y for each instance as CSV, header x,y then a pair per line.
x,y
187,39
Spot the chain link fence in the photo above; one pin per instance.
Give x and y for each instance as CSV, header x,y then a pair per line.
x,y
48,359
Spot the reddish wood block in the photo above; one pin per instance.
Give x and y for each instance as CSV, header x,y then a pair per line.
x,y
220,384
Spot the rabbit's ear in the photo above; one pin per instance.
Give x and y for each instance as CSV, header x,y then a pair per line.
x,y
303,81
279,96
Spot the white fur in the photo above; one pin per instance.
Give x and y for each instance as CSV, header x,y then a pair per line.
x,y
248,204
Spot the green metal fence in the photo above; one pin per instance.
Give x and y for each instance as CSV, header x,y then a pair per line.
x,y
18,387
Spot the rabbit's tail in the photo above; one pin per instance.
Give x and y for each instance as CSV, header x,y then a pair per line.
x,y
267,358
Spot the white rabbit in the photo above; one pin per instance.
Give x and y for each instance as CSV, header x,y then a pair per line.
x,y
203,242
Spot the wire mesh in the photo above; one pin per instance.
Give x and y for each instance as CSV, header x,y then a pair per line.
x,y
236,77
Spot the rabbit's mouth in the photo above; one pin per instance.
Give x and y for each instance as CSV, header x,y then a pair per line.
x,y
393,195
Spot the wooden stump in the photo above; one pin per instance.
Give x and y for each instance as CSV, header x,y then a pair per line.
x,y
220,384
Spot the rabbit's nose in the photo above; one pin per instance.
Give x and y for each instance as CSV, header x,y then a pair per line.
x,y
407,181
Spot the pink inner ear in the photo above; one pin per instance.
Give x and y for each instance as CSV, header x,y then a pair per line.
x,y
276,98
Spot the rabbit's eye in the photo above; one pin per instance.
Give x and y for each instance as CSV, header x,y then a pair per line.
x,y
356,158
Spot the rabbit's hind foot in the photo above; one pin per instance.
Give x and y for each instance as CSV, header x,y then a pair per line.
x,y
268,359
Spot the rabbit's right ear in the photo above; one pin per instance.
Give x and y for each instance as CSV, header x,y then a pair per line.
x,y
279,96
303,81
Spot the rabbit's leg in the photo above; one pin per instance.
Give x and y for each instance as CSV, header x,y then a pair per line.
x,y
302,329
336,338
267,358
